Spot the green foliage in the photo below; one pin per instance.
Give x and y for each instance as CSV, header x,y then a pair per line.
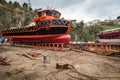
x,y
118,17
94,30
10,3
110,26
77,28
25,6
16,4
30,9
6,23
2,14
74,25
8,74
13,15
3,2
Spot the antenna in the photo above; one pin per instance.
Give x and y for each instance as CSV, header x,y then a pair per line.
x,y
29,4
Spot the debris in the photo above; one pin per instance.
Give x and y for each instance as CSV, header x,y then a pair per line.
x,y
44,59
33,53
3,57
4,60
63,65
29,56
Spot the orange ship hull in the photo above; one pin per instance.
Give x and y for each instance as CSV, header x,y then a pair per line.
x,y
59,38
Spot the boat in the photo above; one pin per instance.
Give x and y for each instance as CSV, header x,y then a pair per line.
x,y
111,35
48,27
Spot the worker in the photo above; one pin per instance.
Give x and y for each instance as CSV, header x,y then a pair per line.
x,y
81,47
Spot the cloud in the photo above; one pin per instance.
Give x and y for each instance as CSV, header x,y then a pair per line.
x,y
103,7
80,9
94,9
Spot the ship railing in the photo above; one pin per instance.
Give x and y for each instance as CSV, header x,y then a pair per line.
x,y
42,23
60,22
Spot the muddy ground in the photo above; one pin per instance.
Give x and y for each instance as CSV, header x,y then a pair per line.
x,y
87,65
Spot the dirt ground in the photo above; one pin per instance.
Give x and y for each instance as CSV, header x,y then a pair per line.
x,y
87,65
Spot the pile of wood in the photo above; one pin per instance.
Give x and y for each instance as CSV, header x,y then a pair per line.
x,y
33,53
4,60
30,54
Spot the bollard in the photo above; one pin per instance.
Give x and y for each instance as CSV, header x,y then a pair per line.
x,y
44,59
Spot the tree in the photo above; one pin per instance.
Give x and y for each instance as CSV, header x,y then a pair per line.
x,y
25,5
118,17
16,4
30,9
10,3
78,31
94,29
81,25
3,2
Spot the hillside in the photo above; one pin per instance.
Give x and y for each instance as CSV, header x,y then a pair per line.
x,y
106,27
13,15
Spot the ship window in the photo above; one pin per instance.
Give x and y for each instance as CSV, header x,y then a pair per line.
x,y
48,13
60,22
109,37
113,37
39,14
106,37
52,13
116,36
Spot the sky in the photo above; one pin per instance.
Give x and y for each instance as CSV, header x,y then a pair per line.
x,y
86,10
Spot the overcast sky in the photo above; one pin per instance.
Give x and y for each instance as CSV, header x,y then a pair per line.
x,y
86,10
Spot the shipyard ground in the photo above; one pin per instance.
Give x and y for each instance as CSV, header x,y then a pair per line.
x,y
88,66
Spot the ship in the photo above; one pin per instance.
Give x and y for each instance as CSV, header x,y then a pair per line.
x,y
48,27
111,35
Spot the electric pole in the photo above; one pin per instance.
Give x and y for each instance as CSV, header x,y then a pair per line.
x,y
29,4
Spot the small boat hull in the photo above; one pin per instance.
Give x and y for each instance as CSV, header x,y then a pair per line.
x,y
109,40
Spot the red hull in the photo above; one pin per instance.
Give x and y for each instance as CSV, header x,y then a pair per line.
x,y
58,38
